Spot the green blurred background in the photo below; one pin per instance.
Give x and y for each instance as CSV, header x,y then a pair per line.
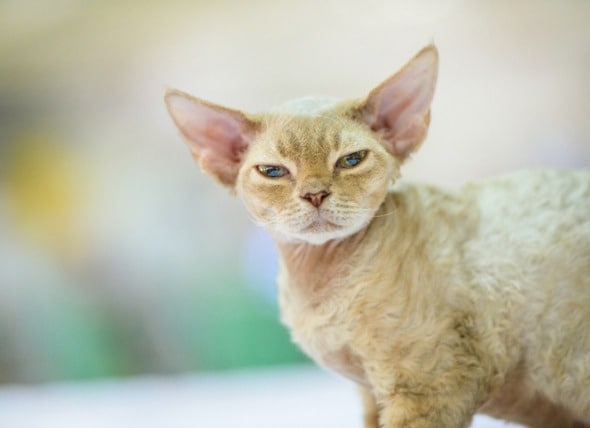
x,y
117,257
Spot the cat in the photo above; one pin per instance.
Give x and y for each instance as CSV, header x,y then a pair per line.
x,y
438,303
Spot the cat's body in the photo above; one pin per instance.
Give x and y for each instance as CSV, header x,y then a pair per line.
x,y
438,303
419,293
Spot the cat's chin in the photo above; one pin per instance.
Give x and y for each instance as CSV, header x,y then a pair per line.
x,y
312,238
320,231
320,238
317,234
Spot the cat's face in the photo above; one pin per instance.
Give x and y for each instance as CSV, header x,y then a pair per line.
x,y
314,178
316,171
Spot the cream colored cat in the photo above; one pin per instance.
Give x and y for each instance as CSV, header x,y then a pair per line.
x,y
438,303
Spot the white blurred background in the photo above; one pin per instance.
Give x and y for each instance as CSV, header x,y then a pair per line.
x,y
119,259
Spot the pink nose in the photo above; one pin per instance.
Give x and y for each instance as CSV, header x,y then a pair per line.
x,y
316,199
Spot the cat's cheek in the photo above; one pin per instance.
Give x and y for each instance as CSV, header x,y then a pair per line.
x,y
247,193
377,197
259,208
263,201
370,191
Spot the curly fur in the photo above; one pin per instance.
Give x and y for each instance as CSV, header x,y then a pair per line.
x,y
438,303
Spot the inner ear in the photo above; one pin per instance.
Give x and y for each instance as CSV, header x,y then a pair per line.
x,y
398,110
217,136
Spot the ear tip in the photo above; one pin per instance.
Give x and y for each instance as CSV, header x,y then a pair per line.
x,y
170,94
179,102
429,52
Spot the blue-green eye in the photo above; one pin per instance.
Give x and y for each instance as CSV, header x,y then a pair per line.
x,y
351,160
272,171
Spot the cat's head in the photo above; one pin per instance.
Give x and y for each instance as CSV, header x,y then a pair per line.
x,y
315,170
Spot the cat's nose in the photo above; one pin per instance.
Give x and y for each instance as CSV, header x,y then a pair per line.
x,y
317,198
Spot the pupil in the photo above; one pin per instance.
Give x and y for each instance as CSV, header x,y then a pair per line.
x,y
353,160
273,171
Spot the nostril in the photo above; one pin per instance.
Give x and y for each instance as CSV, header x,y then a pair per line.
x,y
317,198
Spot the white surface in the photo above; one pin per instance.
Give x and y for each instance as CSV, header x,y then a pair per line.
x,y
285,398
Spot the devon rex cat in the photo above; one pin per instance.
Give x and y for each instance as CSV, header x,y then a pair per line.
x,y
438,303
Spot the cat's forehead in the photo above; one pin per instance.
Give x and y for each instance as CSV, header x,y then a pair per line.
x,y
311,138
305,135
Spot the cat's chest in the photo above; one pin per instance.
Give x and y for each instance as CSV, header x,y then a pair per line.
x,y
316,309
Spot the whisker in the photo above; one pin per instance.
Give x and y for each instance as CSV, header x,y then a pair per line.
x,y
385,214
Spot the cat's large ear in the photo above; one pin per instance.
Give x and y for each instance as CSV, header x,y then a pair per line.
x,y
216,136
398,110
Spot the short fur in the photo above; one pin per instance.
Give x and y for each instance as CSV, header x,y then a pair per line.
x,y
438,303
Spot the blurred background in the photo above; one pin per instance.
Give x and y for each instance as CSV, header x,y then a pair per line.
x,y
119,258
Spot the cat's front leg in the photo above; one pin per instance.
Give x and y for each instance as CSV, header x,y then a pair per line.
x,y
440,393
405,411
370,408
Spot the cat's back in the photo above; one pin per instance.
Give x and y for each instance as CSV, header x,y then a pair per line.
x,y
533,232
540,206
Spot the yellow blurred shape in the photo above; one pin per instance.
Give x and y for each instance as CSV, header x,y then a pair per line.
x,y
44,196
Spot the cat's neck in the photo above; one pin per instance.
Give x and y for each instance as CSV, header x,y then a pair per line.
x,y
309,273
303,254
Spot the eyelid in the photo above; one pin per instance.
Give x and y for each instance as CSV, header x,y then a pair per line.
x,y
263,169
362,155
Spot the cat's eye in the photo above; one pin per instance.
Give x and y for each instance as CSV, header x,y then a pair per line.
x,y
351,160
272,171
